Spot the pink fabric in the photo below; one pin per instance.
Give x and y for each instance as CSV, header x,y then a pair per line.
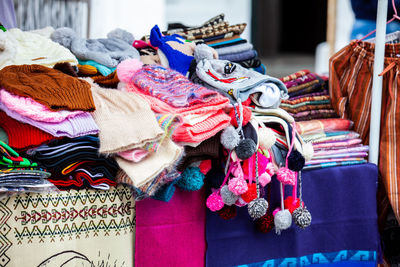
x,y
341,144
171,233
211,116
135,155
28,107
359,148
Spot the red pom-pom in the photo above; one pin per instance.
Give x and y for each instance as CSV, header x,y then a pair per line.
x,y
227,212
250,194
265,223
246,116
290,204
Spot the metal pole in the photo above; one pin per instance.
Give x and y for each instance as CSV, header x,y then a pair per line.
x,y
376,97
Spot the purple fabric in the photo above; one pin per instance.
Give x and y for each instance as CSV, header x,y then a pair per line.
x,y
7,14
80,125
343,212
171,233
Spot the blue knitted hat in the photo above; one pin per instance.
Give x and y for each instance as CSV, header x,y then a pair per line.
x,y
176,59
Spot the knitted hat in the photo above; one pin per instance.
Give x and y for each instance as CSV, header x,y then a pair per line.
x,y
237,82
171,86
172,47
50,87
22,47
125,121
105,51
22,136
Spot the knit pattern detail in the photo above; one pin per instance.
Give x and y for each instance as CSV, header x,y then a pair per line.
x,y
171,87
50,87
21,135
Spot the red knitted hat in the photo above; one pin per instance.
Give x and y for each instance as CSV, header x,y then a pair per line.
x,y
22,136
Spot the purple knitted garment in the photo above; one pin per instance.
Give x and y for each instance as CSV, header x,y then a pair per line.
x,y
170,86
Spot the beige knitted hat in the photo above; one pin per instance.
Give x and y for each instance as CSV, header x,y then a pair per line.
x,y
125,120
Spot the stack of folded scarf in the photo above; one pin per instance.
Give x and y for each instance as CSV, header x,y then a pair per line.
x,y
308,96
21,174
75,163
169,92
333,142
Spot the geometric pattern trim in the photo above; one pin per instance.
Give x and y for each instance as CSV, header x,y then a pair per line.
x,y
319,258
59,233
69,198
5,243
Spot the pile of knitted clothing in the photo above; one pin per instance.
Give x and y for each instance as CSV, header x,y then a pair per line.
x,y
308,96
333,142
160,116
224,38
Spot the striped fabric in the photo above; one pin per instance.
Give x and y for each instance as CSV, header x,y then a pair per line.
x,y
350,88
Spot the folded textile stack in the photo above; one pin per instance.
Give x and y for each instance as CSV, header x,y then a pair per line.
x,y
19,174
333,142
308,96
224,38
75,163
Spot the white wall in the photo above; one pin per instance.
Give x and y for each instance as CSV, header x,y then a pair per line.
x,y
196,12
139,16
135,16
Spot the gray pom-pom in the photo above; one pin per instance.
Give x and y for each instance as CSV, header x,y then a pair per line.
x,y
202,51
282,220
122,34
228,197
302,217
246,149
257,208
230,138
63,36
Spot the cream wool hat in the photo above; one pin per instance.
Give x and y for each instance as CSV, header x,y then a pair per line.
x,y
19,47
125,120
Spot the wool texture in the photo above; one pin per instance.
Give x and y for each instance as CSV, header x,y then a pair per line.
x,y
47,86
125,121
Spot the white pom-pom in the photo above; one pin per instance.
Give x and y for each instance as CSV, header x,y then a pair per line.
x,y
282,220
203,51
230,138
308,151
266,138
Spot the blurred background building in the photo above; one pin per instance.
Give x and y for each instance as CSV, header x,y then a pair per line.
x,y
287,34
